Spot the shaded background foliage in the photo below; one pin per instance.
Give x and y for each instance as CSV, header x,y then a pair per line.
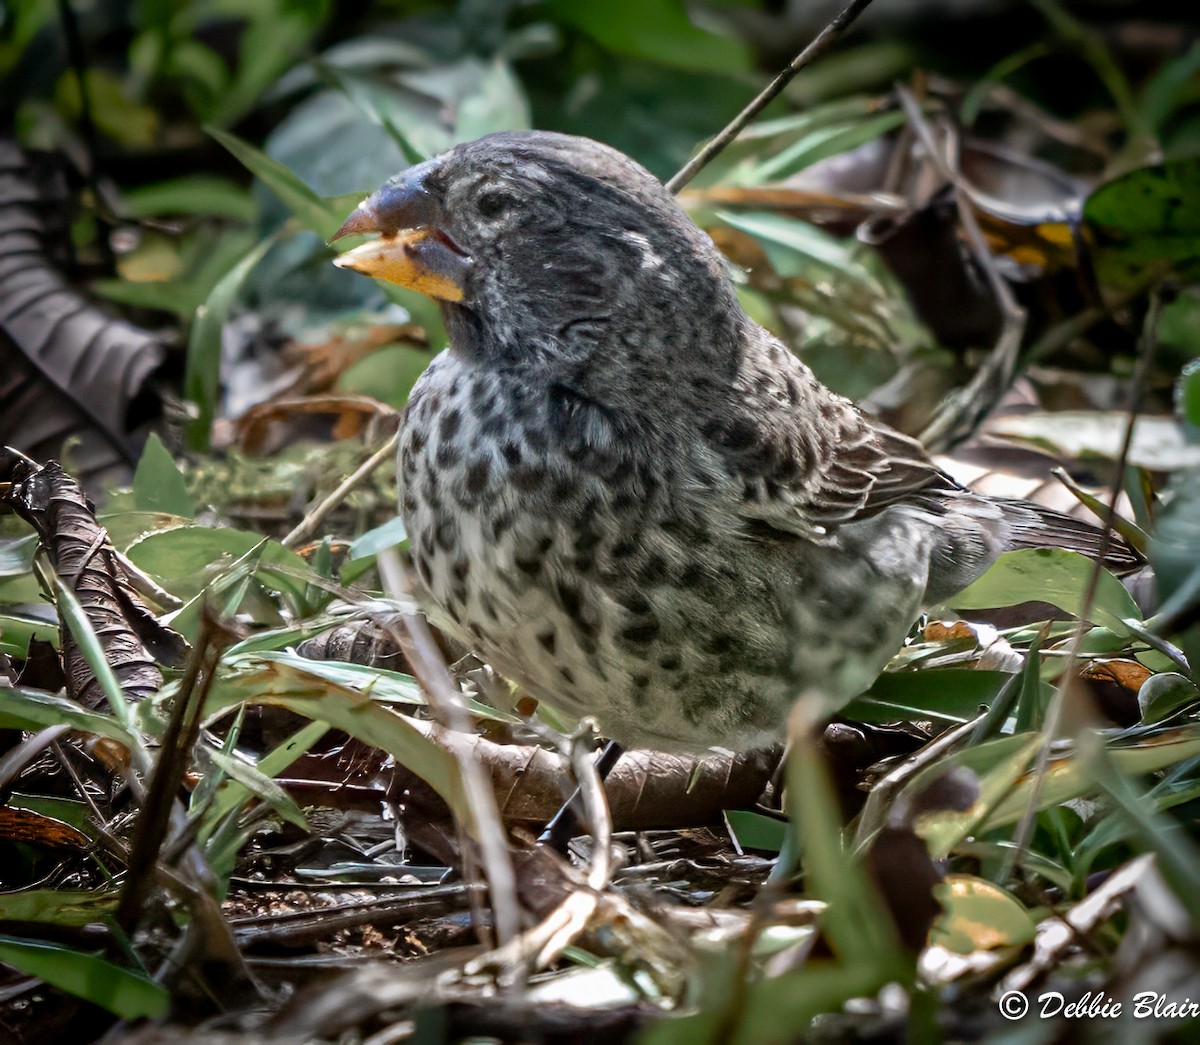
x,y
169,175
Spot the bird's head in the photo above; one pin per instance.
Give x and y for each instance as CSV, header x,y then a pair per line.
x,y
539,243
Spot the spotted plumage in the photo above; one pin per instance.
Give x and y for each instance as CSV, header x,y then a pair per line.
x,y
625,494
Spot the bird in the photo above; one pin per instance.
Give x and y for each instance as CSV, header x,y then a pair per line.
x,y
627,496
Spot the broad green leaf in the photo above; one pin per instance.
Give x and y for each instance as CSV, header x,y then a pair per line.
x,y
202,377
113,108
773,1009
260,786
387,374
386,535
268,46
1069,776
822,143
34,710
754,831
205,195
322,216
17,630
1187,394
1146,225
72,811
794,247
158,484
126,527
499,104
1175,556
185,559
16,555
278,680
657,30
226,593
998,764
979,916
949,694
71,907
1054,576
1179,322
126,994
205,256
1165,694
1168,87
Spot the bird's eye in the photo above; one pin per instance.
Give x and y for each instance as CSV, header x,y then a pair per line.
x,y
491,204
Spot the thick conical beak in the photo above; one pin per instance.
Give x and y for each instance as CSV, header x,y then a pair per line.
x,y
413,249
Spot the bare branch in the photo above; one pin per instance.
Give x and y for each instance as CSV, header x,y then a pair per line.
x,y
823,41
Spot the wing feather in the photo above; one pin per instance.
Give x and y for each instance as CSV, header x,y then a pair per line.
x,y
808,460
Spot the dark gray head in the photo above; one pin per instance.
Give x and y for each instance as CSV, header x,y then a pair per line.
x,y
547,244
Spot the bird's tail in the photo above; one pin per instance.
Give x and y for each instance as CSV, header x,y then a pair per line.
x,y
1034,526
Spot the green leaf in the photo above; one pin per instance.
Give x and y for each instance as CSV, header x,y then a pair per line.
x,y
499,104
1179,322
1071,777
16,555
1162,94
1187,394
261,786
158,484
185,559
1175,556
322,216
822,143
388,373
268,46
202,378
998,765
860,932
1163,695
80,625
657,30
1054,576
387,535
1146,225
34,710
979,916
68,907
794,247
119,991
952,695
279,680
202,195
752,830
270,765
230,836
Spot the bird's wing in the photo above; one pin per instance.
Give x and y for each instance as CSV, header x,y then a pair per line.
x,y
808,460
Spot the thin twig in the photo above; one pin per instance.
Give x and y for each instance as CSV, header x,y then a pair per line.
x,y
16,760
154,819
318,513
973,400
542,944
446,701
823,41
1054,713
